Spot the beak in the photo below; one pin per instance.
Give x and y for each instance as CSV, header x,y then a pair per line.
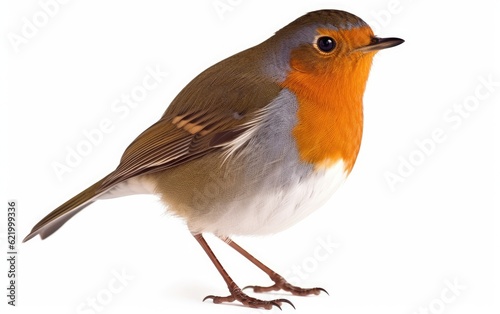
x,y
380,43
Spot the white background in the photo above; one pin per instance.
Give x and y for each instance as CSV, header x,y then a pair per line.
x,y
394,250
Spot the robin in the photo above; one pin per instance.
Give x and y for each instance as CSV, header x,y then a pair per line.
x,y
254,143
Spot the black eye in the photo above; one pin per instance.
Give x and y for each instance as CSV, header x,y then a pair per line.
x,y
326,44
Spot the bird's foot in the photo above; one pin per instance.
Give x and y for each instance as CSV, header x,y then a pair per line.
x,y
246,300
281,284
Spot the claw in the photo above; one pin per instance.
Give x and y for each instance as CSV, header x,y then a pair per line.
x,y
218,300
276,304
285,301
321,289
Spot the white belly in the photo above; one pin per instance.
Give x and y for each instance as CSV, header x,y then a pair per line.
x,y
276,209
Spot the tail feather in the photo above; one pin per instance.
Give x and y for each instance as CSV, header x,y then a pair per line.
x,y
59,216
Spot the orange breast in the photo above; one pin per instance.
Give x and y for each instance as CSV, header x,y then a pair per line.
x,y
330,112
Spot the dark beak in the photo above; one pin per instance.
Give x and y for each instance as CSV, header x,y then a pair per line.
x,y
381,43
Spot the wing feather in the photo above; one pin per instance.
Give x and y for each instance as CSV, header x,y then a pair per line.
x,y
218,110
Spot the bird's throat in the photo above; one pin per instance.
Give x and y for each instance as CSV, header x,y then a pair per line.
x,y
330,114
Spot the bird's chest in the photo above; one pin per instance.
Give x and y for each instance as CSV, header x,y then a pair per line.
x,y
283,199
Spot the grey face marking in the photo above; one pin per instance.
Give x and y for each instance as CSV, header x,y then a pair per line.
x,y
277,65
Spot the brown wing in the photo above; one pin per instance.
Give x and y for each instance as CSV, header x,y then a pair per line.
x,y
218,106
175,140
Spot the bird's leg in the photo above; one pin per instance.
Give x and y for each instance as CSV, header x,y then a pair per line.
x,y
236,293
279,282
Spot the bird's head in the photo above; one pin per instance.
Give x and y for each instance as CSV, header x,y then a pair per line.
x,y
324,47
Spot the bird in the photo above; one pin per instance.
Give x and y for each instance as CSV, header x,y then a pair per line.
x,y
254,143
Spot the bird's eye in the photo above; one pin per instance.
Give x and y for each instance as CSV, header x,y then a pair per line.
x,y
326,44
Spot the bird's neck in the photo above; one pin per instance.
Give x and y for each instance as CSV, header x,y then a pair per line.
x,y
330,114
